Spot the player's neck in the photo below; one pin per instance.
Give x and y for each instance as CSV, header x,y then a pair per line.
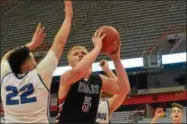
x,y
87,75
25,70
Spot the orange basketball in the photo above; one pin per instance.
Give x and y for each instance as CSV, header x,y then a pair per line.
x,y
111,42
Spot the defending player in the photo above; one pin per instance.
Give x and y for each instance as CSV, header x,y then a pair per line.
x,y
25,85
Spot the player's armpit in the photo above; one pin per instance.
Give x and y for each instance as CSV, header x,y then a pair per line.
x,y
110,85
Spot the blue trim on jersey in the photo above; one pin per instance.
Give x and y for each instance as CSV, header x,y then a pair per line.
x,y
5,76
43,83
49,101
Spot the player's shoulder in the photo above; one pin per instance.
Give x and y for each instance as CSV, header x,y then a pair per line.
x,y
66,74
94,76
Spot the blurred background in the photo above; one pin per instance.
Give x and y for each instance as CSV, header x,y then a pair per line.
x,y
154,31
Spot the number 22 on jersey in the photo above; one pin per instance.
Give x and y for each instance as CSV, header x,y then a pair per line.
x,y
24,92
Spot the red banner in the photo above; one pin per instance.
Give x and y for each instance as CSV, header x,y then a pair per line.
x,y
150,98
156,98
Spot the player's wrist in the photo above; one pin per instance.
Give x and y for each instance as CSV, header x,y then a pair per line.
x,y
68,15
116,59
98,48
31,46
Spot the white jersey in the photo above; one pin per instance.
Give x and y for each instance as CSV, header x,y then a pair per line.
x,y
103,114
26,99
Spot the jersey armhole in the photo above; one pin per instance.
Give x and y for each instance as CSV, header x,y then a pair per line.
x,y
43,83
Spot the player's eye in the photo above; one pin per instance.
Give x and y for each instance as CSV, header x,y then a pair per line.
x,y
83,53
75,54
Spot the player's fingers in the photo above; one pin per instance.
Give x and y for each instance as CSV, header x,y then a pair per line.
x,y
68,3
103,36
102,63
96,33
38,27
93,38
41,30
100,33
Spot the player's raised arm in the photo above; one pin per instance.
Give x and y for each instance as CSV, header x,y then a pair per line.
x,y
110,82
124,84
47,66
7,64
158,113
36,41
64,31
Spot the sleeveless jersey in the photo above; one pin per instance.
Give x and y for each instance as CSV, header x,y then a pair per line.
x,y
82,101
26,99
103,114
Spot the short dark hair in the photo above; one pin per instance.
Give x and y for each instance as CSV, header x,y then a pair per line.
x,y
177,105
17,58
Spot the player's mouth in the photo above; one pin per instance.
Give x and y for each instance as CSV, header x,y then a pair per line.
x,y
176,116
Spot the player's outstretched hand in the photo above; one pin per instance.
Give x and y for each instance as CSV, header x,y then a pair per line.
x,y
37,38
68,8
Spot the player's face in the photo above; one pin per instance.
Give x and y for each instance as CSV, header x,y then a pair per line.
x,y
76,55
176,114
32,62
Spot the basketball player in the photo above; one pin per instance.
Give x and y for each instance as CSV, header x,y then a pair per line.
x,y
109,105
79,90
176,114
25,85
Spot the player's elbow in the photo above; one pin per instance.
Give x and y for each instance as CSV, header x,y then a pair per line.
x,y
128,87
128,90
125,90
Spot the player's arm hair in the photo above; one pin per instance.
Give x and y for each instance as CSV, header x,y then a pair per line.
x,y
82,67
62,36
124,85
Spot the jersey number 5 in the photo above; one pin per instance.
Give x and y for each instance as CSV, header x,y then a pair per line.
x,y
24,91
87,104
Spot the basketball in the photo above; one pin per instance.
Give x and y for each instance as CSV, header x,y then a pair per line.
x,y
111,42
